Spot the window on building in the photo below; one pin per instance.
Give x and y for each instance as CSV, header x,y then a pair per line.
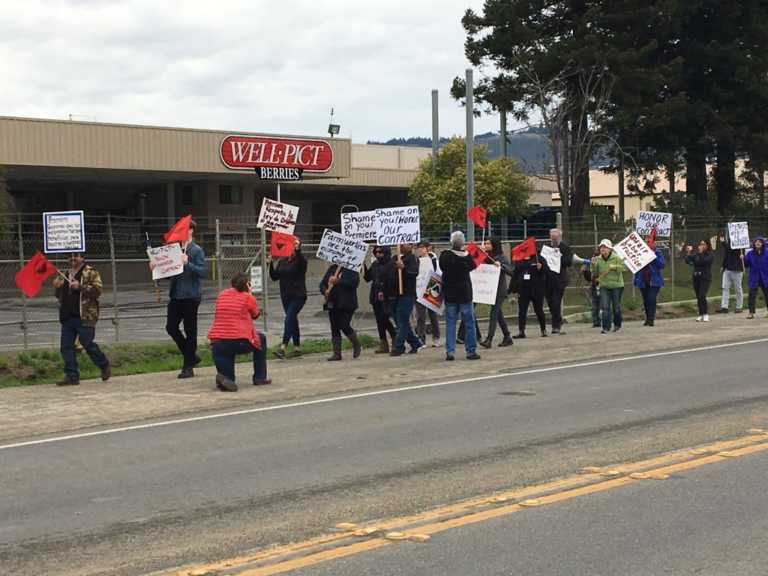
x,y
190,195
229,194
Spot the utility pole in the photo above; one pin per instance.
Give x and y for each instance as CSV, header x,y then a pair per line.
x,y
435,133
470,145
503,133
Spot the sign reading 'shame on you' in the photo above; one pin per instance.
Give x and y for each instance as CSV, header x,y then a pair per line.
x,y
399,225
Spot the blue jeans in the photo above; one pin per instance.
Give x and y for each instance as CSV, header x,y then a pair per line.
x,y
70,330
291,326
595,293
224,352
403,309
650,295
610,302
467,312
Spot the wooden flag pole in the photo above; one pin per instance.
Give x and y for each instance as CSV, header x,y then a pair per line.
x,y
399,273
336,275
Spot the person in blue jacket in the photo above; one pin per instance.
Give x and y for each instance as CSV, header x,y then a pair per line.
x,y
650,280
756,262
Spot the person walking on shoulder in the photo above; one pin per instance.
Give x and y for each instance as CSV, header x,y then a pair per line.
x,y
528,282
291,272
733,272
608,272
557,281
422,312
403,278
497,257
701,260
380,296
756,261
339,286
650,279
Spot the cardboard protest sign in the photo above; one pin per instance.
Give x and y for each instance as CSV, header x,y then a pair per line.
x,y
635,252
337,249
738,232
553,257
257,280
432,295
425,271
398,226
64,231
485,283
282,245
277,217
359,225
167,261
646,221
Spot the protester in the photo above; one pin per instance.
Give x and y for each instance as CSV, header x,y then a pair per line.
x,y
422,312
292,274
607,270
456,265
233,333
733,272
557,281
381,295
701,261
757,262
594,291
403,278
78,295
528,282
496,256
339,286
650,279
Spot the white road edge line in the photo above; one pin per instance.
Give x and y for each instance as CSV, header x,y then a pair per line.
x,y
372,393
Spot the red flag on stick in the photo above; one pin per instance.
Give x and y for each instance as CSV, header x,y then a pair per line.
x,y
179,232
525,249
31,277
478,215
477,253
282,244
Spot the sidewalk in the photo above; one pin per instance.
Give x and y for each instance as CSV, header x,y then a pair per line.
x,y
41,410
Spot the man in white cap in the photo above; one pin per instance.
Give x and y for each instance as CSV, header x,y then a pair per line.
x,y
607,270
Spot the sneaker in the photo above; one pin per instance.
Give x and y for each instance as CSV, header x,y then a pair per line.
x,y
449,358
519,336
280,353
506,342
721,311
436,343
260,382
705,318
186,373
699,318
473,356
68,382
106,373
225,384
750,316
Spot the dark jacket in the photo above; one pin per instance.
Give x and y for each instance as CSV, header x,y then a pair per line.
x,y
506,270
536,277
343,296
410,273
457,284
186,286
702,264
82,303
566,259
732,258
758,265
377,275
292,274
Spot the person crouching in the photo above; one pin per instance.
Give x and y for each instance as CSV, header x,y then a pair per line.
x,y
233,333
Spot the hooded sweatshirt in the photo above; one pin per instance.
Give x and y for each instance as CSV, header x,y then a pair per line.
x,y
757,263
457,284
601,269
377,275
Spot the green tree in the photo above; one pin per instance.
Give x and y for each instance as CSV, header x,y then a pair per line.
x,y
500,186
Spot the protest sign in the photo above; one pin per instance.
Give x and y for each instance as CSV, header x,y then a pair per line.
x,y
397,226
425,271
257,280
432,294
64,231
635,252
661,220
738,232
553,257
485,283
337,249
359,225
166,260
277,217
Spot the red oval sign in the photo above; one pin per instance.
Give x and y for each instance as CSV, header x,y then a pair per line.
x,y
249,152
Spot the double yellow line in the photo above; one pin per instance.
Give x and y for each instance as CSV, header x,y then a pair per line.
x,y
350,538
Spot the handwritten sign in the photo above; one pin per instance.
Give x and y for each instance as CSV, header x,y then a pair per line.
x,y
277,217
432,294
167,261
338,249
257,280
661,220
359,225
738,232
635,252
485,283
397,226
64,231
553,257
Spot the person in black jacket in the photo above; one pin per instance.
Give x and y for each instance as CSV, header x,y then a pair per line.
x,y
733,273
557,281
493,248
529,280
403,278
339,286
380,296
291,272
701,260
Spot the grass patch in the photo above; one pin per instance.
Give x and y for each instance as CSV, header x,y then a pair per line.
x,y
45,366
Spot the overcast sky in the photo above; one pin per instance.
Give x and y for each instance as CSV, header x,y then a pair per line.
x,y
251,65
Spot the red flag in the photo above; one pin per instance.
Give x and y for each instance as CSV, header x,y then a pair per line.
x,y
477,253
652,238
282,244
525,249
34,273
478,215
179,232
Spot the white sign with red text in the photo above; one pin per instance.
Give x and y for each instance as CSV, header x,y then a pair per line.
x,y
277,217
167,261
635,252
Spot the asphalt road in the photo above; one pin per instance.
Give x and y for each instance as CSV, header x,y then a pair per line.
x,y
138,500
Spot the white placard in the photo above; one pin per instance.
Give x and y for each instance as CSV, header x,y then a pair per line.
x,y
425,271
553,257
398,226
337,249
635,252
64,231
167,261
738,232
661,220
432,295
277,217
257,280
485,283
359,225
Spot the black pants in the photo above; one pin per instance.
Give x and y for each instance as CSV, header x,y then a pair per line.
x,y
752,301
341,322
184,310
525,298
554,295
700,288
383,321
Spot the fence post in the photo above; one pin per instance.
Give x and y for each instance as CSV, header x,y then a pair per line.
x,y
594,227
24,326
219,267
115,305
525,228
264,279
672,258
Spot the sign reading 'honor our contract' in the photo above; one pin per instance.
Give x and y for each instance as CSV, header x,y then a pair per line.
x,y
399,225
